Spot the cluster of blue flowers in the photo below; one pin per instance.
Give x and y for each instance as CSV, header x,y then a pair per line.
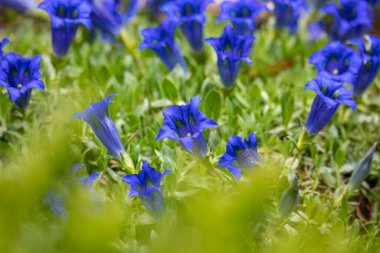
x,y
337,63
183,123
105,16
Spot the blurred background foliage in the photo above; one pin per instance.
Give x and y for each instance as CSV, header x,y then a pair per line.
x,y
207,211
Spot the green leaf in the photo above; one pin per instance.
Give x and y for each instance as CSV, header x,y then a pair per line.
x,y
170,90
339,157
212,104
287,107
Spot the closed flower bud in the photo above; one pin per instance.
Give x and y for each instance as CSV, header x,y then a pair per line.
x,y
289,199
362,169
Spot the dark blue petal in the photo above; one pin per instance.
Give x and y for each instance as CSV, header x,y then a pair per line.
x,y
161,40
190,15
287,13
370,52
337,62
2,44
18,5
147,186
240,154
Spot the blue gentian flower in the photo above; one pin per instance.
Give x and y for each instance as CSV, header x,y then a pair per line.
x,y
288,13
103,126
161,40
315,31
154,6
318,3
66,16
242,14
147,186
232,49
108,16
185,123
90,179
330,95
190,15
373,2
18,5
56,203
338,62
350,19
19,75
241,154
370,51
2,44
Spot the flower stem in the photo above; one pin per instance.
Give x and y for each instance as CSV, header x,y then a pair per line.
x,y
128,45
301,139
128,164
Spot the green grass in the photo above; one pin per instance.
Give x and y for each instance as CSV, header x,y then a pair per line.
x,y
208,211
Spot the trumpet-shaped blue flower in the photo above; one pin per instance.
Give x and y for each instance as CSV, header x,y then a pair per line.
x,y
241,154
185,123
349,19
66,16
330,95
19,75
18,5
232,49
288,13
242,14
103,126
108,16
370,51
147,186
2,44
338,62
190,15
161,40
